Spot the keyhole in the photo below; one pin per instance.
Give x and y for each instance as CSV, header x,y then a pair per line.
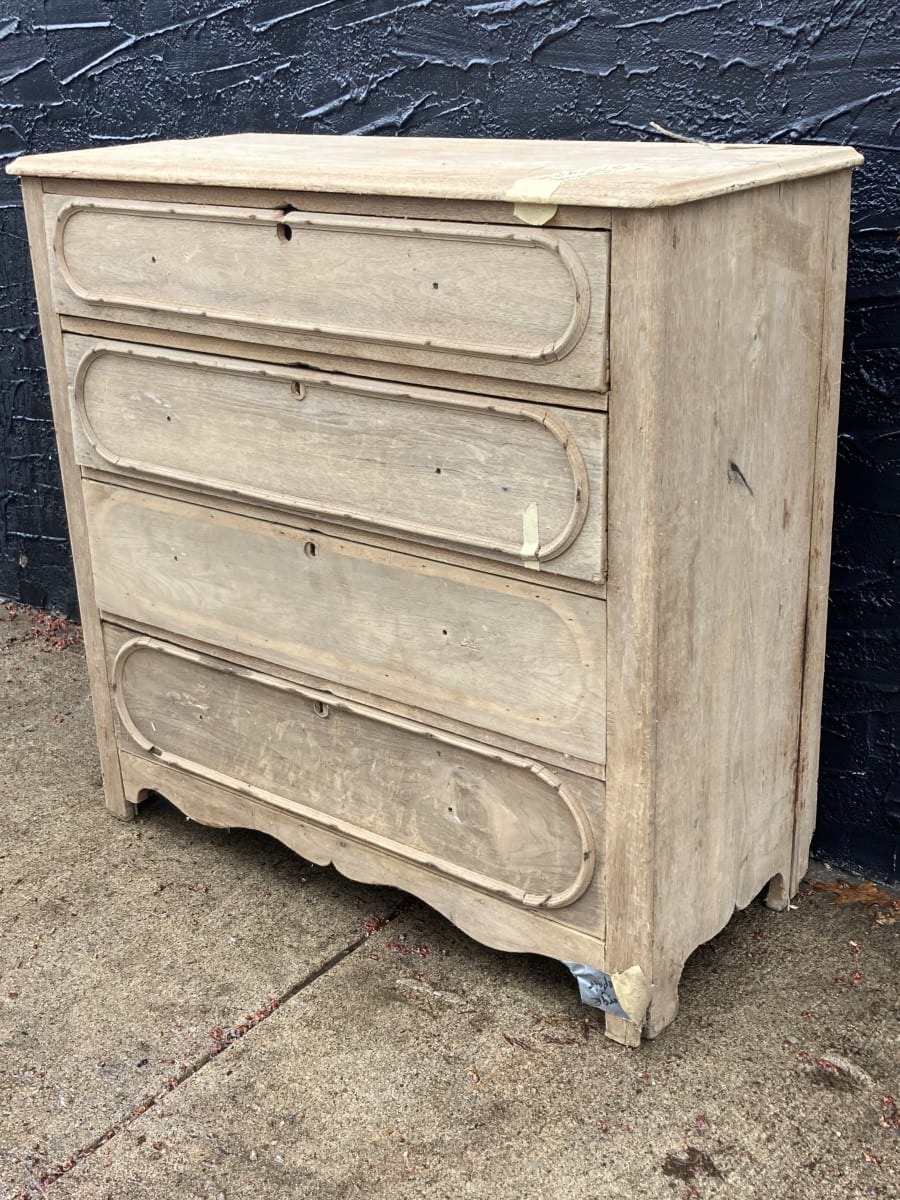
x,y
310,549
284,232
321,710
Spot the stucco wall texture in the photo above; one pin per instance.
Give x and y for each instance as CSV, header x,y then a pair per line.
x,y
80,72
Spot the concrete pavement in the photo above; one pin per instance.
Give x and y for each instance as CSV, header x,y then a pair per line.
x,y
187,1012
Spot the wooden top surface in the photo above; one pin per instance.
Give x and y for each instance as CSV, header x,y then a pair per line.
x,y
600,174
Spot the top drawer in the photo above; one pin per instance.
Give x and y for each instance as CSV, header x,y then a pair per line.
x,y
494,301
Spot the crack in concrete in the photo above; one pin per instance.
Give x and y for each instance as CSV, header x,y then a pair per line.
x,y
38,1185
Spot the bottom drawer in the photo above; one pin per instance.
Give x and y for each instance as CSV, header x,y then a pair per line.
x,y
496,822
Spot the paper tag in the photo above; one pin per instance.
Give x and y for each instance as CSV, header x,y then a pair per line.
x,y
625,994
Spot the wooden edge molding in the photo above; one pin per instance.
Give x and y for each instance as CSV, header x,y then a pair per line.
x,y
347,829
543,552
489,919
534,239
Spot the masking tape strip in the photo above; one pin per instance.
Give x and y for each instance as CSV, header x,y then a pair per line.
x,y
532,196
530,537
625,994
534,214
634,992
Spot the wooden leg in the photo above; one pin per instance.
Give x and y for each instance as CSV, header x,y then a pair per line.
x,y
778,894
627,992
122,809
626,1033
663,1007
597,990
661,1012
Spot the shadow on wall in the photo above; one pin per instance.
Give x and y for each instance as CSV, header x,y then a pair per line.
x,y
80,72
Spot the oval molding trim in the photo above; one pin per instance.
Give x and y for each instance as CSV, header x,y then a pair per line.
x,y
512,237
547,549
340,826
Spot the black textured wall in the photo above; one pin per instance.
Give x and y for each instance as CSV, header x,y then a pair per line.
x,y
76,72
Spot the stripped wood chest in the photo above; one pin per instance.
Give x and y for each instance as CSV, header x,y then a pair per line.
x,y
459,512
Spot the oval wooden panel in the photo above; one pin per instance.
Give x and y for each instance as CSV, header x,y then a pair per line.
x,y
435,466
491,820
498,291
524,660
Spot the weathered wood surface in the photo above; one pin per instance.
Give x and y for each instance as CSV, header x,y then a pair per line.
x,y
81,556
457,470
440,722
428,208
497,822
835,227
384,582
713,419
568,933
486,300
608,174
527,661
257,351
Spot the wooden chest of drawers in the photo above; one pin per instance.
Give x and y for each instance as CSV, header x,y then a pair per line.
x,y
459,512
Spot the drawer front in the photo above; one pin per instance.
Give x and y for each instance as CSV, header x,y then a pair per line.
x,y
494,821
525,661
490,300
513,482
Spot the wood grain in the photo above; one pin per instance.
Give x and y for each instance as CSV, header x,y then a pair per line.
x,y
833,260
482,299
256,351
438,721
286,515
489,820
426,208
433,466
605,174
568,933
524,660
713,421
54,355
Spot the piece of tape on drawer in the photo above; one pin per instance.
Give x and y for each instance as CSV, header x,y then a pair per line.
x,y
623,994
532,197
530,537
534,214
